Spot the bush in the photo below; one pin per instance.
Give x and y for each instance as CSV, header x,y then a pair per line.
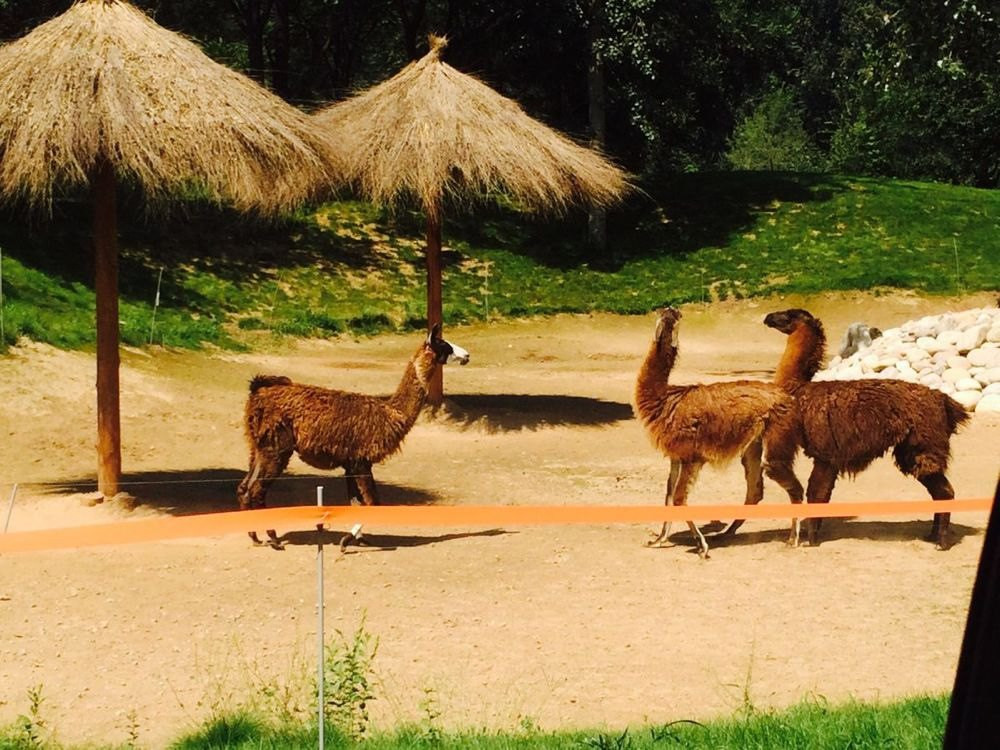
x,y
773,136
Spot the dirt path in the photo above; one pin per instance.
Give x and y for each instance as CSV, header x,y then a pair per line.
x,y
558,626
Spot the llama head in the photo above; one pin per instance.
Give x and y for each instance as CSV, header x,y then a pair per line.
x,y
789,321
444,351
666,325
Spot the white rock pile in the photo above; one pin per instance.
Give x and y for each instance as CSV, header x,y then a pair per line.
x,y
957,352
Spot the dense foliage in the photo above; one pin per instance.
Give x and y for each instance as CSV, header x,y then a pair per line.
x,y
899,88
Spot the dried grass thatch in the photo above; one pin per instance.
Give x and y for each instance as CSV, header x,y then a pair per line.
x,y
103,81
435,133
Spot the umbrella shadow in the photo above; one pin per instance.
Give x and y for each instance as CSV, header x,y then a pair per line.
x,y
182,493
379,542
516,412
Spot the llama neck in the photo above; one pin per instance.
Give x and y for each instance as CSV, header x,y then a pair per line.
x,y
804,352
411,393
652,385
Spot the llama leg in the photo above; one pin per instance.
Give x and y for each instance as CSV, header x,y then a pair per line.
x,y
675,470
265,467
752,470
689,473
939,487
821,481
781,472
360,491
360,483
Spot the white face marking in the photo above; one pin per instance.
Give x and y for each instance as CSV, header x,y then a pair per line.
x,y
458,354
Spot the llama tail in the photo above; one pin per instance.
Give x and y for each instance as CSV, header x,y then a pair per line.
x,y
266,381
956,413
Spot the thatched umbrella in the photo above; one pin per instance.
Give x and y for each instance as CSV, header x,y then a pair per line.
x,y
102,94
433,133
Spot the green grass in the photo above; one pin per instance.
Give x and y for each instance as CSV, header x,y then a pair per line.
x,y
349,268
911,724
914,724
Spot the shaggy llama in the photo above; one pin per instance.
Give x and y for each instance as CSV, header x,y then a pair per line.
x,y
844,425
330,428
711,423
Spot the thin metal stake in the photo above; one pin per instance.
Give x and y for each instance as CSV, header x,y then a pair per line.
x,y
321,664
10,507
156,304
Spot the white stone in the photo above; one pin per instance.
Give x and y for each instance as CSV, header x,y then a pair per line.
x,y
948,338
945,354
953,375
889,373
930,345
989,402
993,335
869,361
959,362
947,387
917,355
985,358
968,384
990,375
991,389
930,379
971,338
968,399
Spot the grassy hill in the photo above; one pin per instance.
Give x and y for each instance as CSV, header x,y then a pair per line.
x,y
348,267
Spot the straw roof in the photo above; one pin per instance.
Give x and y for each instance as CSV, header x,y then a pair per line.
x,y
433,132
103,81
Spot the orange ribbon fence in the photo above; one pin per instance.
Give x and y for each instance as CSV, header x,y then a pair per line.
x,y
310,516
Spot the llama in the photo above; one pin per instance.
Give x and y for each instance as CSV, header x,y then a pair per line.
x,y
844,425
712,423
857,336
331,429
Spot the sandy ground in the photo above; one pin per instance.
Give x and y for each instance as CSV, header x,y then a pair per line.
x,y
564,626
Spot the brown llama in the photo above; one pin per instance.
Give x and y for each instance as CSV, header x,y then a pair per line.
x,y
844,425
707,423
331,429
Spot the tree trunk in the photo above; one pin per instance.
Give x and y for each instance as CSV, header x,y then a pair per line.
x,y
109,456
435,389
281,49
597,224
411,16
255,14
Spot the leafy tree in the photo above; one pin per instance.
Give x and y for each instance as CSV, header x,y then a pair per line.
x,y
772,136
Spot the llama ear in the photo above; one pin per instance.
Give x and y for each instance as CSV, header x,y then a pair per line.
x,y
435,333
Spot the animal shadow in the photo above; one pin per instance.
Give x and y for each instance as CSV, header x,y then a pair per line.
x,y
516,412
834,529
182,493
378,542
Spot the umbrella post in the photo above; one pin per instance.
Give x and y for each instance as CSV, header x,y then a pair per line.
x,y
435,388
109,460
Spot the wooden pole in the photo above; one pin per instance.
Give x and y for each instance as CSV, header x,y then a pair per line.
x,y
109,459
435,389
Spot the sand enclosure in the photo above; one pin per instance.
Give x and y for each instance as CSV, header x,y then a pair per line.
x,y
562,626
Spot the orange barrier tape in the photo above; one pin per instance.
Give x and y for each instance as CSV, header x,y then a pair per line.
x,y
216,524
